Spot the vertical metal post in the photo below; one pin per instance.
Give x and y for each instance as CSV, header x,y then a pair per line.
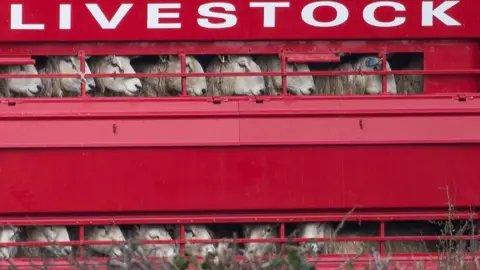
x,y
182,238
284,75
184,71
81,57
282,235
382,234
384,76
82,238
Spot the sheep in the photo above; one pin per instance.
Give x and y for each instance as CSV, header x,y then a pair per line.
x,y
411,84
9,234
357,84
154,232
237,85
296,85
259,231
26,87
64,87
325,230
112,64
47,234
172,86
197,232
105,233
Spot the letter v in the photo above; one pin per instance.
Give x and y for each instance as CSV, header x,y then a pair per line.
x,y
102,20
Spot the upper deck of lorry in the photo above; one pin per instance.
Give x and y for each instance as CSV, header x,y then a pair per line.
x,y
198,20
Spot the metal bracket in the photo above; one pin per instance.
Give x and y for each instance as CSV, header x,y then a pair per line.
x,y
260,99
218,100
9,102
463,98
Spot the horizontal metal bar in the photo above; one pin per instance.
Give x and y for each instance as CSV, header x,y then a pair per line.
x,y
323,261
16,60
198,107
238,217
311,58
246,240
248,74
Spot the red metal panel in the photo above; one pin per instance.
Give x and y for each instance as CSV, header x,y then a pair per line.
x,y
184,122
459,20
237,178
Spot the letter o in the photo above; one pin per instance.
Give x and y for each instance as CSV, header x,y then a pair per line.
x,y
307,14
369,14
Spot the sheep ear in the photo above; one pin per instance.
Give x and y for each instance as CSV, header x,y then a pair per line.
x,y
295,67
243,62
246,231
189,64
222,58
163,59
210,232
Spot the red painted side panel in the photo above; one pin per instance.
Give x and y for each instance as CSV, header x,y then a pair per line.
x,y
417,19
237,178
332,154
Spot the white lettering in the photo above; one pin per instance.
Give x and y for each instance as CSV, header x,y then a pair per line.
x,y
308,10
103,21
16,19
154,15
269,11
65,21
428,13
369,14
204,10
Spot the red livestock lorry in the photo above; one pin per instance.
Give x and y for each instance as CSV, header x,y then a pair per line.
x,y
380,160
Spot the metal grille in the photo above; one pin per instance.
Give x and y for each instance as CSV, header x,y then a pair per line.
x,y
285,225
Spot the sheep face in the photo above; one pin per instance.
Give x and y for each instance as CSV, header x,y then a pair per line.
x,y
298,85
196,86
198,232
51,234
118,64
154,232
259,232
373,83
8,234
106,233
314,230
235,85
71,65
24,86
247,85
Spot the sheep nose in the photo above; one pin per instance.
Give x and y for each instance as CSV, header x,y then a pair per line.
x,y
138,86
39,87
204,91
311,90
262,92
91,86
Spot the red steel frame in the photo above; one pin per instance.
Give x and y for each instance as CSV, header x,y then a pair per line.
x,y
437,130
